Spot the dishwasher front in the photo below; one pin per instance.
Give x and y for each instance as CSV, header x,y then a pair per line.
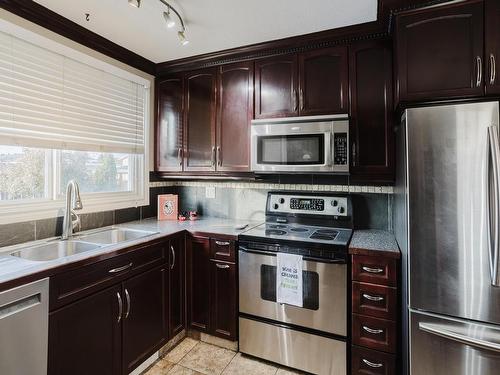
x,y
24,323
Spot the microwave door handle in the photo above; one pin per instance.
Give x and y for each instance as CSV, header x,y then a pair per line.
x,y
329,150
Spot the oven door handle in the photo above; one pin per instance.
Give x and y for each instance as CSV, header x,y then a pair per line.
x,y
306,258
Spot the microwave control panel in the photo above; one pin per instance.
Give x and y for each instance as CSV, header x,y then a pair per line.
x,y
340,149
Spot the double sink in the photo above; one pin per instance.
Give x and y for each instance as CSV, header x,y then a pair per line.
x,y
80,243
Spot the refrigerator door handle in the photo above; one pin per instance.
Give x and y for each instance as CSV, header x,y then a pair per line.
x,y
440,330
492,199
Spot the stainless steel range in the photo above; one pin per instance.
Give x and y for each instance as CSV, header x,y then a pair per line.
x,y
310,337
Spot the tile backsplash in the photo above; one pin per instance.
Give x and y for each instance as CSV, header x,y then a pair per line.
x,y
233,200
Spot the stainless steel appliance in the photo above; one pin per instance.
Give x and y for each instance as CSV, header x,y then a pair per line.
x,y
301,144
447,223
311,338
24,321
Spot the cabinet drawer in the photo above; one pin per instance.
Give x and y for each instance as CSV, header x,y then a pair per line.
x,y
374,300
374,270
72,285
374,333
370,362
222,250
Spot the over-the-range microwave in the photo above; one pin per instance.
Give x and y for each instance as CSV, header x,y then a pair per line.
x,y
313,144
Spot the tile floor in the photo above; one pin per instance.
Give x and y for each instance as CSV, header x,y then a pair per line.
x,y
192,357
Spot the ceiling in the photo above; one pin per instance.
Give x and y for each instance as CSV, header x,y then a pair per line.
x,y
212,25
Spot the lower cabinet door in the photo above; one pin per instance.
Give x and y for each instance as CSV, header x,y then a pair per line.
x,y
85,336
144,316
223,312
198,283
177,288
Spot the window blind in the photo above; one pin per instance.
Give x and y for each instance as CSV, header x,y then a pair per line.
x,y
52,101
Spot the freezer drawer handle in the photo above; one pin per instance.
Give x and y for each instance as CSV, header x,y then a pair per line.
x,y
372,270
372,364
440,330
492,202
373,331
373,298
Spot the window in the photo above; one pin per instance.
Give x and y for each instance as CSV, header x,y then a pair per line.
x,y
65,115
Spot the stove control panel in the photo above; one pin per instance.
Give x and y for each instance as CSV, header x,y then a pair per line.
x,y
314,205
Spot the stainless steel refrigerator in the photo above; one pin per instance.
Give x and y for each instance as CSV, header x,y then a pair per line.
x,y
447,222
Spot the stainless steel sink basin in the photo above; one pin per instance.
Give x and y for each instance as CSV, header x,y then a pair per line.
x,y
54,250
115,235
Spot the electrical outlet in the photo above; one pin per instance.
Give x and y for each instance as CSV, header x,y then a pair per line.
x,y
210,192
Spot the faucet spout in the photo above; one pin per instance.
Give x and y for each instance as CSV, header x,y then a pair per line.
x,y
73,202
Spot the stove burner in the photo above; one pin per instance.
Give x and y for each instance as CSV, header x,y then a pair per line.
x,y
299,230
275,232
321,237
327,232
276,226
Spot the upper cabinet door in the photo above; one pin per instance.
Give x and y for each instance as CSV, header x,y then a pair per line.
x,y
235,114
200,120
170,96
492,47
440,52
323,81
276,87
370,79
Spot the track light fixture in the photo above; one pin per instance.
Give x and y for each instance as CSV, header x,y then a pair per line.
x,y
135,3
170,18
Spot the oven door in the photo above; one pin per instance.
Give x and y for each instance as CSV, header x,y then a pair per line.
x,y
324,293
292,147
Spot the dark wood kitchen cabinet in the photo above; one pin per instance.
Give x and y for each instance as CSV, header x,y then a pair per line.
x,y
310,83
235,112
200,117
198,282
212,286
323,83
108,317
177,287
169,132
372,136
144,319
276,84
223,304
492,44
440,52
85,336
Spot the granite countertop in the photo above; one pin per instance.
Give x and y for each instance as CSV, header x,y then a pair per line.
x,y
374,242
13,269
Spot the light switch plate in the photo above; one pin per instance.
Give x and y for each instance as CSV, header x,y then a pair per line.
x,y
210,192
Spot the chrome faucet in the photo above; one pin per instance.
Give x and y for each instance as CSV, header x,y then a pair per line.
x,y
73,202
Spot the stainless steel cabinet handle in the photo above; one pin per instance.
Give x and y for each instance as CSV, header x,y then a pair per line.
x,y
493,69
354,154
122,268
372,270
222,265
223,243
492,202
373,298
479,64
127,297
294,100
219,157
213,156
120,307
301,99
440,330
179,156
372,331
372,364
173,257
